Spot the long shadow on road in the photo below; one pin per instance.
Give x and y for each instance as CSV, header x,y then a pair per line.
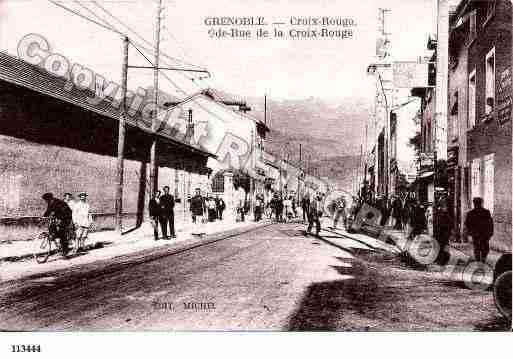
x,y
325,305
376,293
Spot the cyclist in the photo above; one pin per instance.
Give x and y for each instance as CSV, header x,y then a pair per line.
x,y
58,209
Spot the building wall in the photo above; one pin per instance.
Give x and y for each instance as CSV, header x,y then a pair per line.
x,y
491,137
458,83
47,145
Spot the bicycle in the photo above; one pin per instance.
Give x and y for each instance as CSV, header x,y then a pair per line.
x,y
48,241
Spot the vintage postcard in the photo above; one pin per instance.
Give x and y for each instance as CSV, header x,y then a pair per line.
x,y
276,166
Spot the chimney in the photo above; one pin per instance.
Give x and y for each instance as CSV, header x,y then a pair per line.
x,y
189,134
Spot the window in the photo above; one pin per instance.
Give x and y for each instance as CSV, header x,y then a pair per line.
x,y
476,178
490,82
472,100
218,183
488,181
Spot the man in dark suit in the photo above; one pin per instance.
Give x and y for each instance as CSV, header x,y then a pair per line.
x,y
479,225
167,214
305,205
221,206
154,209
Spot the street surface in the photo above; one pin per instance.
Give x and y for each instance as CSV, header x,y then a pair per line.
x,y
272,278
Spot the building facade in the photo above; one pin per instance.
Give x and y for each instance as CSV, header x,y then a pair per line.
x,y
480,107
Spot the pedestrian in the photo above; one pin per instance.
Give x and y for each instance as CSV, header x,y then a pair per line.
x,y
279,208
479,225
315,214
305,204
197,208
58,209
406,214
167,213
154,209
339,210
221,206
82,220
294,206
397,213
70,201
259,202
419,223
442,232
212,209
240,200
287,207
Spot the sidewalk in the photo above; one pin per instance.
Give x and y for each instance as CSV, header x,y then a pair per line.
x,y
17,257
461,267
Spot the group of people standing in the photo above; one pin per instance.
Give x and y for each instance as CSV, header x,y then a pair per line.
x,y
282,207
162,211
202,208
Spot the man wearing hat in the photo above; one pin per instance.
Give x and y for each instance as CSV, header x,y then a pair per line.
x,y
167,213
197,207
82,219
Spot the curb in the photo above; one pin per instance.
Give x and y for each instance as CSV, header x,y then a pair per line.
x,y
140,256
92,246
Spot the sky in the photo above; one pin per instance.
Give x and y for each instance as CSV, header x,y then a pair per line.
x,y
283,68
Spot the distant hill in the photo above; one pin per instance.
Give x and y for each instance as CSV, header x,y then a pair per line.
x,y
333,129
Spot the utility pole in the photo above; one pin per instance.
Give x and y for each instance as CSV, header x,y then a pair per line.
x,y
361,168
265,109
121,140
442,69
300,173
153,149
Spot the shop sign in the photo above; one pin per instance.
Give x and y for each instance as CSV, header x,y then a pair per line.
x,y
504,97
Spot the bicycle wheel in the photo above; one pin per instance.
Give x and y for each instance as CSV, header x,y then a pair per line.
x,y
45,247
502,294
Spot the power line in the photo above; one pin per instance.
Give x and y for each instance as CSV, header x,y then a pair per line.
x,y
84,17
138,35
139,51
93,13
112,28
150,44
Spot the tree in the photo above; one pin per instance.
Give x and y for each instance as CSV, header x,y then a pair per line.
x,y
241,179
416,143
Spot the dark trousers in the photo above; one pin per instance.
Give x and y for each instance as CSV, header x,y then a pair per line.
x,y
311,220
164,220
64,233
211,214
305,214
220,214
279,215
398,223
481,248
258,213
155,223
